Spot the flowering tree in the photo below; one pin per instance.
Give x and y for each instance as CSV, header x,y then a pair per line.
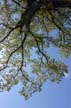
x,y
25,27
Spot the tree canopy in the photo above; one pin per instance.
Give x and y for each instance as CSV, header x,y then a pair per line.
x,y
25,36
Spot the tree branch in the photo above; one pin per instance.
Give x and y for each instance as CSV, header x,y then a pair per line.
x,y
14,52
39,47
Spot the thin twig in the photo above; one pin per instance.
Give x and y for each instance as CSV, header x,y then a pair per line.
x,y
19,4
8,34
6,25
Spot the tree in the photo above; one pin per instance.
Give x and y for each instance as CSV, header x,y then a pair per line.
x,y
25,27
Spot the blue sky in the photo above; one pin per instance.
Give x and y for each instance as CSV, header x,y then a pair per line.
x,y
52,96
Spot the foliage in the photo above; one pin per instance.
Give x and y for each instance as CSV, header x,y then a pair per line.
x,y
25,28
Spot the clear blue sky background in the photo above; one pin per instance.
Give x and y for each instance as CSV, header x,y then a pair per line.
x,y
52,96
